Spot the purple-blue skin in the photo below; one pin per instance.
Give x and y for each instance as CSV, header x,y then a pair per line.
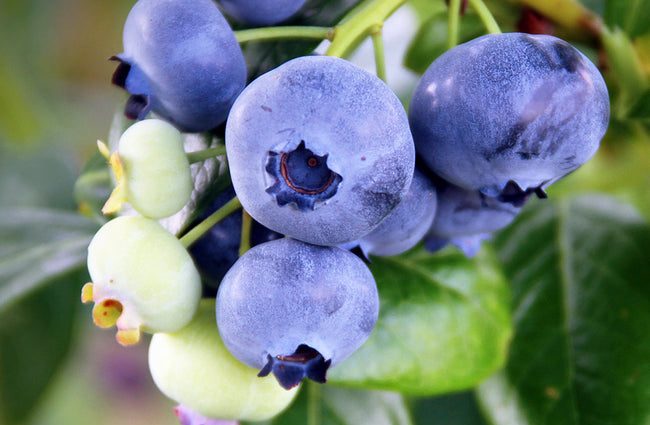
x,y
465,218
407,224
218,249
293,309
187,416
181,60
319,150
509,114
261,12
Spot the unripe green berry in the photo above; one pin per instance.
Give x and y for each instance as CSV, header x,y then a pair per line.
x,y
152,170
143,279
194,368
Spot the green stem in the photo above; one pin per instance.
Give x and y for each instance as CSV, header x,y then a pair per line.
x,y
202,155
380,60
486,17
246,224
359,24
198,231
283,33
313,404
453,23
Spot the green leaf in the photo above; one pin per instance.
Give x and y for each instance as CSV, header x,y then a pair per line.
x,y
35,337
642,47
37,177
431,40
618,169
425,9
596,6
456,409
631,16
626,67
580,274
327,405
444,325
39,245
641,108
93,186
19,102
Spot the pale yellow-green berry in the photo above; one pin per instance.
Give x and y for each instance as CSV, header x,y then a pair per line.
x,y
142,279
152,170
195,369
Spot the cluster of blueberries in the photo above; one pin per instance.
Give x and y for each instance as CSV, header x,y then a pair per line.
x,y
322,155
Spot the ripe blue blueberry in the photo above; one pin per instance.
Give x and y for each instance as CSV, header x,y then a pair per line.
x,y
465,218
509,114
319,150
261,12
182,61
218,249
407,224
294,309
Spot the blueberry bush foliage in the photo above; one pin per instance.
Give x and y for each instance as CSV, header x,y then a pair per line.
x,y
547,324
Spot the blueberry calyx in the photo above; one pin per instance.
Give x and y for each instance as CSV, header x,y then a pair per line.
x,y
121,72
125,76
305,362
470,245
513,194
361,253
301,177
137,107
434,244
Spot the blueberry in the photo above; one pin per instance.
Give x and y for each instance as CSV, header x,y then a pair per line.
x,y
469,245
319,150
136,287
509,114
465,218
182,61
407,224
218,249
193,367
151,169
294,309
261,12
187,416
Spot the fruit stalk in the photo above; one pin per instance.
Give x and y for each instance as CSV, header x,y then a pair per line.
x,y
453,23
486,17
198,231
378,46
246,224
283,33
202,155
313,404
359,24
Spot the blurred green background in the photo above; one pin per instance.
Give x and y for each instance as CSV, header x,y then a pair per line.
x,y
56,100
